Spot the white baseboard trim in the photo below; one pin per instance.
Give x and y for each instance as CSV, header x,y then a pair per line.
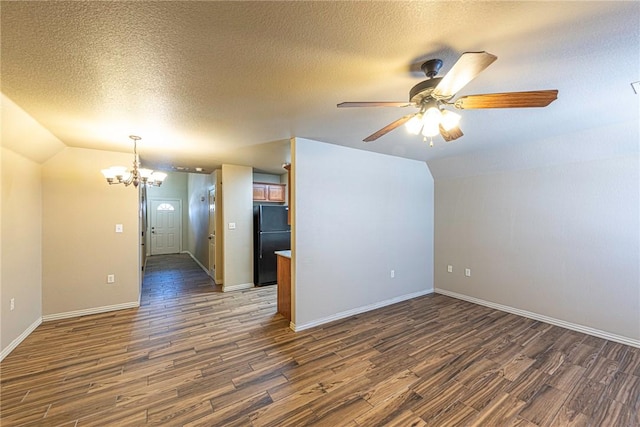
x,y
198,262
358,310
231,288
535,316
87,311
5,352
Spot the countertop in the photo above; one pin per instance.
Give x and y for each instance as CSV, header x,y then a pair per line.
x,y
286,254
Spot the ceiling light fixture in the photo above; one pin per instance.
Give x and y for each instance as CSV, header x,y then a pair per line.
x,y
137,175
430,119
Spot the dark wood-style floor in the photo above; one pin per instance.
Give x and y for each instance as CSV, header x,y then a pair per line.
x,y
191,355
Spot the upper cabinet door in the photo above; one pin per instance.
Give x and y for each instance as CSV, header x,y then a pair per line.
x,y
265,192
259,191
275,193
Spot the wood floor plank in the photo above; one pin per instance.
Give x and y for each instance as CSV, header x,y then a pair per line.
x,y
193,355
544,406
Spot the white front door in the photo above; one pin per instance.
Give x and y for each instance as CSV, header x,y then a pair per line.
x,y
166,226
212,233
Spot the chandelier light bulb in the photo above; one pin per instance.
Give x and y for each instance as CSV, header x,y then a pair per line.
x,y
158,176
109,174
145,173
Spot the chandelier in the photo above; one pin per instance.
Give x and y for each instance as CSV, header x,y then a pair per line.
x,y
137,175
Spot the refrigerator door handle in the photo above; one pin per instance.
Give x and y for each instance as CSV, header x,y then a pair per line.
x,y
260,249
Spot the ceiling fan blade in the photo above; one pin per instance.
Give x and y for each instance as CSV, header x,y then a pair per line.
x,y
374,104
388,128
536,98
451,134
466,69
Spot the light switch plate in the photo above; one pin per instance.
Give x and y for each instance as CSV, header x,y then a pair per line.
x,y
467,272
449,268
119,228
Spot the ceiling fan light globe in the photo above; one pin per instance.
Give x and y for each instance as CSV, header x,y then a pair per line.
x,y
449,120
431,122
414,125
431,129
431,116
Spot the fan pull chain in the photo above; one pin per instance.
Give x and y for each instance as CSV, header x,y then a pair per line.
x,y
424,139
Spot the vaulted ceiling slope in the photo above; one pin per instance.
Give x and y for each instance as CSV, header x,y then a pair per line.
x,y
211,82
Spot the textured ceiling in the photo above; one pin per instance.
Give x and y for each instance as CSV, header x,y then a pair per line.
x,y
210,82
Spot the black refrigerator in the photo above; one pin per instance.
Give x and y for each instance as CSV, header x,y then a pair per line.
x,y
270,233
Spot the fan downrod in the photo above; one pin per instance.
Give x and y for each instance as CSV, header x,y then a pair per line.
x,y
432,67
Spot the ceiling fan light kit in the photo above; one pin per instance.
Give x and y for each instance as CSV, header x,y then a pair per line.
x,y
137,175
433,94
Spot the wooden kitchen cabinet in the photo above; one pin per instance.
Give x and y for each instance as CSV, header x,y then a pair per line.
x,y
266,192
284,283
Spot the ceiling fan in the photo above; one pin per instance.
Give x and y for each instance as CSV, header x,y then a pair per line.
x,y
435,93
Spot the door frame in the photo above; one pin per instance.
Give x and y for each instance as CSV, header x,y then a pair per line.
x,y
177,202
211,225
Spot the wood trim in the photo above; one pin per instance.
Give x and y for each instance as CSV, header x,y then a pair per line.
x,y
284,286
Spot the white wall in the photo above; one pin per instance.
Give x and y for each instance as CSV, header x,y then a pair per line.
x,y
21,277
198,186
79,244
237,207
25,145
266,177
552,229
357,216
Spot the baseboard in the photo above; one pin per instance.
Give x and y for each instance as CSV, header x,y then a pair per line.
x,y
230,288
358,310
87,311
5,352
535,316
206,270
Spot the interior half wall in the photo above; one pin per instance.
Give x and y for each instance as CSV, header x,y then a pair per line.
x,y
358,216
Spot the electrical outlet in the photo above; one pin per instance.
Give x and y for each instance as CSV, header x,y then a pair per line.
x,y
449,268
467,272
232,226
12,304
119,228
111,278
393,274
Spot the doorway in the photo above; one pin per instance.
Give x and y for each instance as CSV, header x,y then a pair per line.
x,y
212,233
166,226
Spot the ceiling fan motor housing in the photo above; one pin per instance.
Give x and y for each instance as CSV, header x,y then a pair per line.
x,y
423,90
